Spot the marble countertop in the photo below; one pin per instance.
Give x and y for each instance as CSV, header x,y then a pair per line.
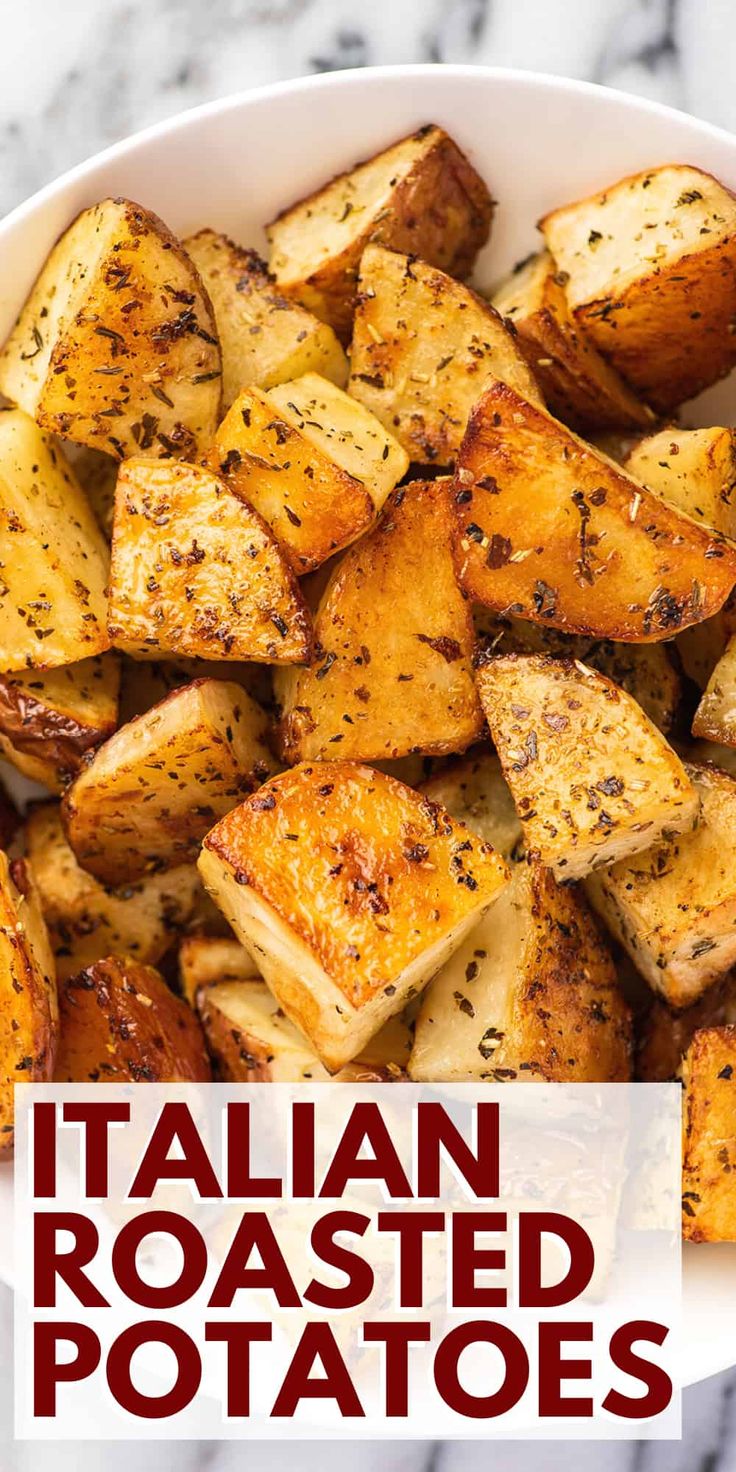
x,y
75,75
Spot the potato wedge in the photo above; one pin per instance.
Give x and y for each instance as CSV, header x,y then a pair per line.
x,y
87,922
49,719
206,961
592,778
420,195
313,462
692,469
549,529
54,562
673,908
148,796
116,346
715,718
709,1143
351,890
265,339
423,349
665,1036
394,637
196,572
120,1021
476,793
651,267
579,386
644,671
530,994
251,1041
29,1019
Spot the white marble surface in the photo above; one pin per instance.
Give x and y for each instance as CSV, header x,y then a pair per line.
x,y
75,75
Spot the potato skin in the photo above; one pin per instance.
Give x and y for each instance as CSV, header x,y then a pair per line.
x,y
651,262
665,1036
120,1021
394,636
550,530
54,718
132,326
423,197
196,572
709,1146
29,1020
423,348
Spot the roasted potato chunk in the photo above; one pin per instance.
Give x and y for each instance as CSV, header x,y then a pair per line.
x,y
644,671
421,195
395,639
476,793
265,339
196,572
715,718
148,796
709,1138
54,563
313,462
351,890
252,1041
144,682
97,474
673,908
205,961
29,1021
592,778
120,1021
423,349
116,346
549,529
87,922
579,386
651,267
665,1036
49,719
692,469
530,994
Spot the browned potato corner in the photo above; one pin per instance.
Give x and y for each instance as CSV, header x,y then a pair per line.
x,y
421,195
350,890
29,1020
120,1021
50,719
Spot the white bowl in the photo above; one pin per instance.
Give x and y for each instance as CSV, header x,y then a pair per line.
x,y
537,141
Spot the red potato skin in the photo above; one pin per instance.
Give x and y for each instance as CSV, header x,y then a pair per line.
x,y
120,1021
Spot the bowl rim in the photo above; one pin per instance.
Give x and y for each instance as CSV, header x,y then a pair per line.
x,y
535,81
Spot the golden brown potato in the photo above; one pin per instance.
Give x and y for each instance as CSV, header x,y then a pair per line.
x,y
579,386
476,793
49,719
116,346
592,778
665,1036
673,908
251,1041
692,469
421,195
351,890
651,268
313,462
711,754
394,639
265,339
28,1002
715,718
54,566
423,349
205,961
700,647
709,1137
644,671
196,572
531,994
87,922
148,796
549,529
120,1021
